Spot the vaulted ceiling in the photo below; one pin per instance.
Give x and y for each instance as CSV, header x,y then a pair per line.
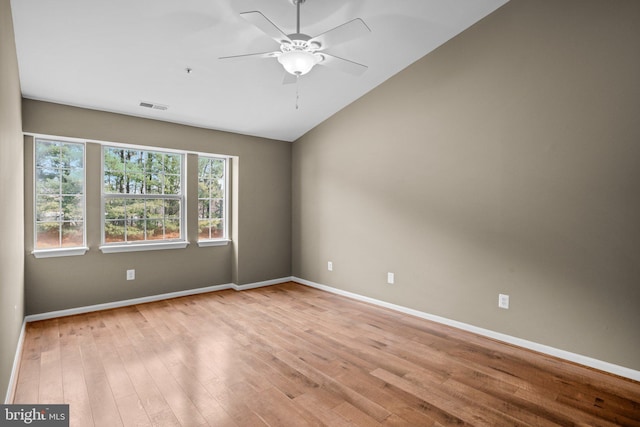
x,y
114,55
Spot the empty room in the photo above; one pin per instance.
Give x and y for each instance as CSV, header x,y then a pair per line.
x,y
320,212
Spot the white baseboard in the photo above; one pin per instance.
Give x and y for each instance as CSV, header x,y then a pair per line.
x,y
13,379
262,284
541,348
151,298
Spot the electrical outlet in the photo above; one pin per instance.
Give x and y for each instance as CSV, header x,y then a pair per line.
x,y
330,266
391,278
131,275
503,301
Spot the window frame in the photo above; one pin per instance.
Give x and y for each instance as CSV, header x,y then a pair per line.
x,y
80,249
225,239
143,245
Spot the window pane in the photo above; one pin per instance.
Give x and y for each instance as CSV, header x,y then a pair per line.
x,y
153,183
114,231
154,163
204,229
172,229
113,182
114,159
135,209
72,234
172,209
217,207
47,181
172,184
217,168
72,181
203,189
155,229
114,209
217,188
135,230
47,154
172,163
204,168
48,208
134,162
48,235
134,183
203,209
72,208
155,208
75,155
217,231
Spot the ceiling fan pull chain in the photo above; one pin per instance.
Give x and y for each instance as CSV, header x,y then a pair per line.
x,y
297,90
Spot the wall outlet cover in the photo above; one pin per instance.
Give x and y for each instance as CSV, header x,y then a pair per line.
x,y
503,301
391,278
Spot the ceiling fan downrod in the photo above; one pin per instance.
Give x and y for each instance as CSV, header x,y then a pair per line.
x,y
298,3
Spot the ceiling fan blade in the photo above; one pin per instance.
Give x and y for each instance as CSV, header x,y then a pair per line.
x,y
251,55
342,64
342,33
268,27
289,79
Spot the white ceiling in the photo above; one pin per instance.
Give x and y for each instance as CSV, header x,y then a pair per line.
x,y
112,54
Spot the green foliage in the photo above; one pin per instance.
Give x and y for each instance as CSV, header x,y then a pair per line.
x,y
141,172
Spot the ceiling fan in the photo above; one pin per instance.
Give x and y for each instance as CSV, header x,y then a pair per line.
x,y
299,53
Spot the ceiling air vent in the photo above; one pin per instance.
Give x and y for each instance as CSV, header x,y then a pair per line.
x,y
154,106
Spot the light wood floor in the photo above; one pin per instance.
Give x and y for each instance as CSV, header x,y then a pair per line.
x,y
290,355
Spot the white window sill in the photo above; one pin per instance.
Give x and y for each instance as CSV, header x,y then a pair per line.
x,y
58,252
218,242
138,247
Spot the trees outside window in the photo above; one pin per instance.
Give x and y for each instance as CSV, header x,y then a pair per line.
x,y
59,194
211,198
143,198
142,195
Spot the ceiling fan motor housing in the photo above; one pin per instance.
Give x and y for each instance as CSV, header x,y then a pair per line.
x,y
299,56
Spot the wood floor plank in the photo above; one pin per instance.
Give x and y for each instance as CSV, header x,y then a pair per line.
x,y
73,381
151,398
365,405
290,355
29,373
234,404
101,399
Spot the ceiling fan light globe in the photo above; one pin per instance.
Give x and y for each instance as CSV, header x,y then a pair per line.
x,y
298,62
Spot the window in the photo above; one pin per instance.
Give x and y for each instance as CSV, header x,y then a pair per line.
x,y
212,206
59,195
142,196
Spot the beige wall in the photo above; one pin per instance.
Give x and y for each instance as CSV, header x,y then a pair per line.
x,y
261,248
506,161
11,197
